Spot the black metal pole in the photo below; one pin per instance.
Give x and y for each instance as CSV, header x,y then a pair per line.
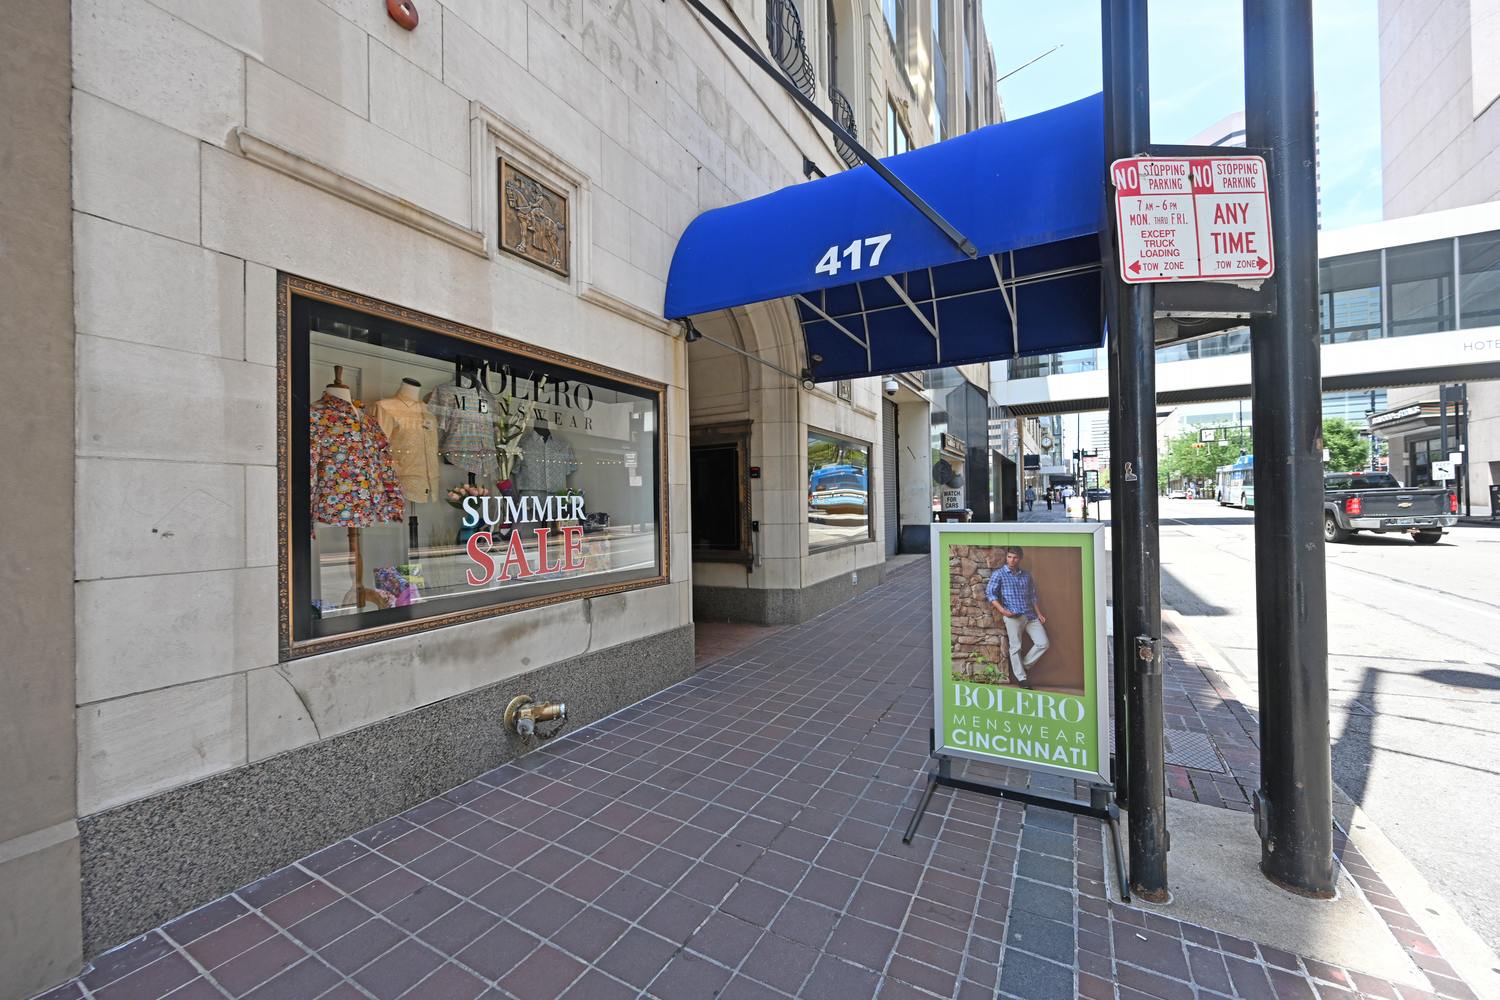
x,y
1464,446
1119,648
1443,422
1294,809
1128,110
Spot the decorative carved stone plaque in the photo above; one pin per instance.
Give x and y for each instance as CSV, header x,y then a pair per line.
x,y
533,219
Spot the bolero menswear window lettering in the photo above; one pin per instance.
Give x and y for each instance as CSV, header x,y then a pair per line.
x,y
433,473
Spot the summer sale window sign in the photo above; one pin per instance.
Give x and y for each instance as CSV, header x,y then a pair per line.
x,y
1019,647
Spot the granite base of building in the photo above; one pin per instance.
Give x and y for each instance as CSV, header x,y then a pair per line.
x,y
782,606
150,860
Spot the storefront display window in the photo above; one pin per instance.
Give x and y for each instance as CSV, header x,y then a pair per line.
x,y
838,491
435,473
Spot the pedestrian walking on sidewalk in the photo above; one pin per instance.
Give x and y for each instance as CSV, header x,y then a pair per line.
x,y
1030,497
1012,592
1049,499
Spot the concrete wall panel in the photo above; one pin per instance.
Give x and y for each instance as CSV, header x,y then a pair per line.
x,y
39,867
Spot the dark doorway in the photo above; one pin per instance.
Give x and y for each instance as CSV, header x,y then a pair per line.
x,y
717,513
1005,488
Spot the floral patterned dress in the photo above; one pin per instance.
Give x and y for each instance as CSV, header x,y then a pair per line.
x,y
354,483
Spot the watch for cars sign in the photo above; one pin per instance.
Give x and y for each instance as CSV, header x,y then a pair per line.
x,y
1192,219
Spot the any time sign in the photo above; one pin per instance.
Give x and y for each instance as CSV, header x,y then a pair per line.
x,y
1192,219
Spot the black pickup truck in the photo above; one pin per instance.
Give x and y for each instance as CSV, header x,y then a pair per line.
x,y
1375,501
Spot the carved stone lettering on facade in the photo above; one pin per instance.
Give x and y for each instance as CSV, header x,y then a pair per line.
x,y
533,219
612,33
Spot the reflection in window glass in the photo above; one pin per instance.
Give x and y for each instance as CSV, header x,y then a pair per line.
x,y
1054,364
1232,341
1419,281
939,75
1479,267
434,474
838,491
896,139
1349,297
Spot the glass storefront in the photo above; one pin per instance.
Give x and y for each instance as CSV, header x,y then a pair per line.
x,y
1420,456
838,491
439,473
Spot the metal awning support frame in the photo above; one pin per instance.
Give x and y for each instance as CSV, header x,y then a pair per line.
x,y
693,333
958,239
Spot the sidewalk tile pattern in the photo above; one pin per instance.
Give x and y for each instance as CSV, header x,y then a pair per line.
x,y
736,836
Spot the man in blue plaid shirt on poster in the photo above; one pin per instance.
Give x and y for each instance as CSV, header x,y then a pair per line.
x,y
1012,592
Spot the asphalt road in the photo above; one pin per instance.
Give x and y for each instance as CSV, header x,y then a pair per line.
x,y
1414,678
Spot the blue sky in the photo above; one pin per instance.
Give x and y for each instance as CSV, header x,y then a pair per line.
x,y
1197,73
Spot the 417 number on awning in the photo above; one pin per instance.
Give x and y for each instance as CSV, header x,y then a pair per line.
x,y
831,263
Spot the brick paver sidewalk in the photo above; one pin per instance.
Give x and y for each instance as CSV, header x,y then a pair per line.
x,y
737,835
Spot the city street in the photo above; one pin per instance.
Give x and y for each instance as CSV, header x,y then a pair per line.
x,y
1414,678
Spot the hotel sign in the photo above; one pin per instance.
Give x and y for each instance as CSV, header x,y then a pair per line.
x,y
1395,416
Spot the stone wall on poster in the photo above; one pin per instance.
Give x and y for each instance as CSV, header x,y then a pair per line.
x,y
981,650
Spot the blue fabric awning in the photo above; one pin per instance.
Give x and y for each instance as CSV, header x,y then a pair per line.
x,y
879,289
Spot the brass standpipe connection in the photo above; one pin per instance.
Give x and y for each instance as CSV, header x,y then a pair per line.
x,y
523,714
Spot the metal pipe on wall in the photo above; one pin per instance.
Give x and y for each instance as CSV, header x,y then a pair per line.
x,y
1293,807
1128,112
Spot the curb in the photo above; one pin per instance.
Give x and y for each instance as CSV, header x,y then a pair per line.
x,y
1469,955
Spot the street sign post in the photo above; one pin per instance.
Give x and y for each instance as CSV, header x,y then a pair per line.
x,y
1207,435
1192,218
1443,470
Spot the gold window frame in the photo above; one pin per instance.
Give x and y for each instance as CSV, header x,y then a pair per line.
x,y
287,286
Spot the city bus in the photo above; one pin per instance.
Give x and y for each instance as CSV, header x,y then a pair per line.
x,y
1237,483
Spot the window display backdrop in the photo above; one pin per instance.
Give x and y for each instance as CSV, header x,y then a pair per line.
x,y
439,473
1023,686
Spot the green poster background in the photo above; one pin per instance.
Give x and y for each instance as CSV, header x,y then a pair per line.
x,y
1006,723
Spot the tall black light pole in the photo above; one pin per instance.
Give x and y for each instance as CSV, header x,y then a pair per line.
x,y
1138,588
1443,424
1463,444
1293,808
1120,647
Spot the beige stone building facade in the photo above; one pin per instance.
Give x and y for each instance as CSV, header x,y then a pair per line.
x,y
1440,150
246,616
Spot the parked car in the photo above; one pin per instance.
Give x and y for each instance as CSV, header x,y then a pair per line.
x,y
1177,495
1375,501
1095,494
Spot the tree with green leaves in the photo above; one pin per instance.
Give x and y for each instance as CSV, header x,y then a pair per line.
x,y
1187,458
1347,451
